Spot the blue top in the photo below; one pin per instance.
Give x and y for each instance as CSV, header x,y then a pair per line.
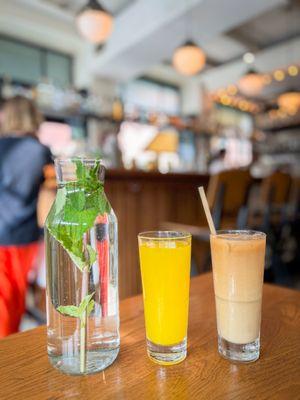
x,y
21,173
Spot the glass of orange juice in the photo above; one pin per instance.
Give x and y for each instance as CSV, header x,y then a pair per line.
x,y
165,258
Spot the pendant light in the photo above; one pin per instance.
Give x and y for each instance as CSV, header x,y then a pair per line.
x,y
188,59
94,22
251,83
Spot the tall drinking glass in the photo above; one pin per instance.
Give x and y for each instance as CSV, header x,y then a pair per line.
x,y
238,267
165,266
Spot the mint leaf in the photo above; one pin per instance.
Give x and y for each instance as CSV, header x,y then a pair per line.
x,y
85,303
60,200
78,261
90,307
94,171
80,169
77,199
72,311
92,254
79,221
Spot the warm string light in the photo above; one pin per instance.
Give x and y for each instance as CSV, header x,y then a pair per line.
x,y
281,74
293,70
255,82
226,98
232,90
281,113
229,96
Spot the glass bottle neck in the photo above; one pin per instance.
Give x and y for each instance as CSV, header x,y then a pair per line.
x,y
75,169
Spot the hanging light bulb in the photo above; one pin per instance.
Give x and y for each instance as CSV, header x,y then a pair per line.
x,y
188,59
94,22
252,83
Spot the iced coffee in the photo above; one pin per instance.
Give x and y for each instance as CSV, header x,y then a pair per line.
x,y
238,267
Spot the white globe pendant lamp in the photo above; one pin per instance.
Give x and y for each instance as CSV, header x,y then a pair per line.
x,y
189,59
251,83
94,22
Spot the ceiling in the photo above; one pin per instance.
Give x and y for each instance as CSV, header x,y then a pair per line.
x,y
73,6
277,26
147,32
263,34
252,35
252,31
265,30
256,35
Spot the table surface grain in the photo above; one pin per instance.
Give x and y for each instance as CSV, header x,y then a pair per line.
x,y
26,374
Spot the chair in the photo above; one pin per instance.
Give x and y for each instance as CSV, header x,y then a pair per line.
x,y
272,204
227,196
294,209
271,214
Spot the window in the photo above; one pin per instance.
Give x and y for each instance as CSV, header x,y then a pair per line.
x,y
146,95
26,63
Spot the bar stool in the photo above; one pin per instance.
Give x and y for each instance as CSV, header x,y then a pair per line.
x,y
227,196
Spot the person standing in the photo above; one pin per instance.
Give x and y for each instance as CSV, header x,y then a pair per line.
x,y
217,162
22,160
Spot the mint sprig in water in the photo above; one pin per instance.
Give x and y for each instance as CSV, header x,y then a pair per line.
x,y
76,207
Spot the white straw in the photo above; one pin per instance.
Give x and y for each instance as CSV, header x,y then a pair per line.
x,y
207,211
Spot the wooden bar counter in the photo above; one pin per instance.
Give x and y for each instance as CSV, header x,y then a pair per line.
x,y
142,201
25,372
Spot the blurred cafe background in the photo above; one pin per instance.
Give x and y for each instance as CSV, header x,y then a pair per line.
x,y
171,95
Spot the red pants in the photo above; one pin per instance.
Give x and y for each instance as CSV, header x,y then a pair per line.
x,y
15,262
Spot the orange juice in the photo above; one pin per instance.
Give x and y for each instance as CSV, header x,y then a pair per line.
x,y
165,268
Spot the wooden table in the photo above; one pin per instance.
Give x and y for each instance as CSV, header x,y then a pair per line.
x,y
26,374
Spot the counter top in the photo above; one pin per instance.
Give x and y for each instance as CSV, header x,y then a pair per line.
x,y
138,175
26,373
123,174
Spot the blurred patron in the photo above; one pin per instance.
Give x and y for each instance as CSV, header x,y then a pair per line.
x,y
217,162
22,160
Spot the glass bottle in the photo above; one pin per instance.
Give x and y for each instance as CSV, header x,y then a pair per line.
x,y
82,271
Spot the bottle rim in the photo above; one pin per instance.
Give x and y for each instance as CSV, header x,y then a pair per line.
x,y
66,168
86,160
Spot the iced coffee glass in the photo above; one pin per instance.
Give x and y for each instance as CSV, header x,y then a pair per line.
x,y
238,266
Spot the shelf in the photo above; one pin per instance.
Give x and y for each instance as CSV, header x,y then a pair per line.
x,y
281,128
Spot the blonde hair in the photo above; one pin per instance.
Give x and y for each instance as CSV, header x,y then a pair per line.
x,y
20,116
